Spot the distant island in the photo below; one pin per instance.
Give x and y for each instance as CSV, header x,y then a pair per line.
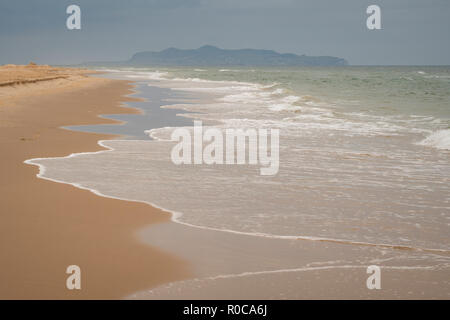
x,y
208,56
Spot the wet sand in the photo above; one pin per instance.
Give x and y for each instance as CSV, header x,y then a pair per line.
x,y
233,265
124,252
47,226
237,266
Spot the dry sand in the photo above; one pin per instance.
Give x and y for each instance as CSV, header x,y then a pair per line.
x,y
46,226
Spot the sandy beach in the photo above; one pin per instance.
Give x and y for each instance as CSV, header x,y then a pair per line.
x,y
127,249
224,159
47,226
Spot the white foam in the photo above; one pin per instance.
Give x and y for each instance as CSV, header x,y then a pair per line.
x,y
154,75
304,269
153,133
195,282
252,102
176,215
439,140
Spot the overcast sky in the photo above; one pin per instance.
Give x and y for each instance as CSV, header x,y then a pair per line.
x,y
413,31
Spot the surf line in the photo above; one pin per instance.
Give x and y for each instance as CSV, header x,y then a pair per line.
x,y
279,271
175,215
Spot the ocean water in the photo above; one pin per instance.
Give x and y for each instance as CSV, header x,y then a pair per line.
x,y
364,154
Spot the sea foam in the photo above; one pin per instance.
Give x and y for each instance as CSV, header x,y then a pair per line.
x,y
439,139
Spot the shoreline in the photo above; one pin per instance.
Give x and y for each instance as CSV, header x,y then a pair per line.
x,y
47,226
330,269
194,258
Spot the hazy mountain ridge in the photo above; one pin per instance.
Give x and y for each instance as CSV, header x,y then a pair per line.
x,y
213,56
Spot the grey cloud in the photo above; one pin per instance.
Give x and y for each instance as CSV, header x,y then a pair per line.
x,y
414,31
